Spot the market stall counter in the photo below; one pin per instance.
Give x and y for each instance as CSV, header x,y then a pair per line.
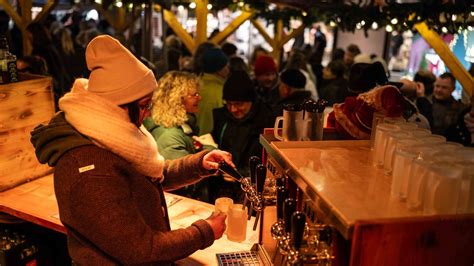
x,y
35,202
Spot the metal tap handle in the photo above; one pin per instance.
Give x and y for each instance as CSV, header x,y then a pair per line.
x,y
229,170
261,173
253,162
282,194
298,220
289,207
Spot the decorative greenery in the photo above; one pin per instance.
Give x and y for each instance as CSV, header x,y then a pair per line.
x,y
442,16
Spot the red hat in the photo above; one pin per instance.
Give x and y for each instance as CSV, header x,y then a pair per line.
x,y
353,118
264,64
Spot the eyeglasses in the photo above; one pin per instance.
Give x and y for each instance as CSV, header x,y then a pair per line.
x,y
146,106
195,95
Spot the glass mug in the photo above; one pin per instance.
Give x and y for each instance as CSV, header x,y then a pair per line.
x,y
223,204
237,223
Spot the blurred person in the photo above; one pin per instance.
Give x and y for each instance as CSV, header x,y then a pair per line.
x,y
172,123
411,113
215,71
72,54
334,85
425,85
32,64
266,79
237,128
352,51
297,60
229,49
291,89
43,46
446,109
337,54
257,52
463,130
108,174
236,63
198,58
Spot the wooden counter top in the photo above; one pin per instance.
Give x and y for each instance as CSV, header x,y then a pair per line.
x,y
35,202
340,178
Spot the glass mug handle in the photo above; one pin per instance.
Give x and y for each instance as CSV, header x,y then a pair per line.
x,y
275,128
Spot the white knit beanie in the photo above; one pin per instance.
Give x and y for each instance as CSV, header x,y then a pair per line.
x,y
116,74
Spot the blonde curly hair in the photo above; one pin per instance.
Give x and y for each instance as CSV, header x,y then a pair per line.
x,y
168,108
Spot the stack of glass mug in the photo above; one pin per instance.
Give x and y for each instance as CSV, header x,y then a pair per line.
x,y
430,174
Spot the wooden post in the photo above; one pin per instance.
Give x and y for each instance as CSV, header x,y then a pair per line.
x,y
201,17
232,27
179,30
442,49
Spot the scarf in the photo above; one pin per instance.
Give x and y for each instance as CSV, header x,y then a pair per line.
x,y
109,127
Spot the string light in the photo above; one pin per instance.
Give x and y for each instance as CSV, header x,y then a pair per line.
x,y
389,28
394,21
444,30
209,6
375,25
332,24
192,5
118,4
362,22
180,8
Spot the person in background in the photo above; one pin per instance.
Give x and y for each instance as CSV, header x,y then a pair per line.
x,y
229,49
266,79
257,52
198,57
334,85
338,54
173,123
216,69
72,54
108,174
32,64
425,84
297,60
291,89
446,109
463,130
236,63
351,52
408,89
237,127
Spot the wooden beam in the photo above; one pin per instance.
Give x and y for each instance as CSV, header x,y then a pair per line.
x,y
12,13
26,11
201,17
179,30
296,32
278,45
50,5
263,32
442,49
232,27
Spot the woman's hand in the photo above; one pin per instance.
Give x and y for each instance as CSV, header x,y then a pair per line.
x,y
211,160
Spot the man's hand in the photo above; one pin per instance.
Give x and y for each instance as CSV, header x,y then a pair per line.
x,y
212,159
217,223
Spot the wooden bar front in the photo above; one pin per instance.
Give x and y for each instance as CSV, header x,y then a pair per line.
x,y
342,188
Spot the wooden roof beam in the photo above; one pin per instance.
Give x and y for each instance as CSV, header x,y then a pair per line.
x,y
47,8
232,27
185,37
442,49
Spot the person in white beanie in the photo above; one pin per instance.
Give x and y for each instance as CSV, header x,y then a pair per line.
x,y
109,176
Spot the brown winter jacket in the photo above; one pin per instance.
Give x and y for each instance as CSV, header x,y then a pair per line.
x,y
113,214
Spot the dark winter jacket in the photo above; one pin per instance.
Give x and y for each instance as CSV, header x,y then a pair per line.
x,y
113,214
459,132
241,137
334,91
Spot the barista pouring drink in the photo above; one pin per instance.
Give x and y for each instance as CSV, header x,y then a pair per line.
x,y
109,177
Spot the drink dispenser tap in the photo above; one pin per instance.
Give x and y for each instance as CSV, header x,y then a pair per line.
x,y
261,172
298,222
229,170
253,162
278,228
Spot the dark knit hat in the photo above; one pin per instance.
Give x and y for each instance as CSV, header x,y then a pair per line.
x,y
264,64
214,60
293,78
364,77
239,87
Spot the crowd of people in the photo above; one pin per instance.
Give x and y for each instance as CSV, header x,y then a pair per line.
x,y
196,110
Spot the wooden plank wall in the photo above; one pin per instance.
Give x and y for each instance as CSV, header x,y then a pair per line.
x,y
23,105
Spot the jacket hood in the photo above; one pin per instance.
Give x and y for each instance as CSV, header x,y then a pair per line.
x,y
53,140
